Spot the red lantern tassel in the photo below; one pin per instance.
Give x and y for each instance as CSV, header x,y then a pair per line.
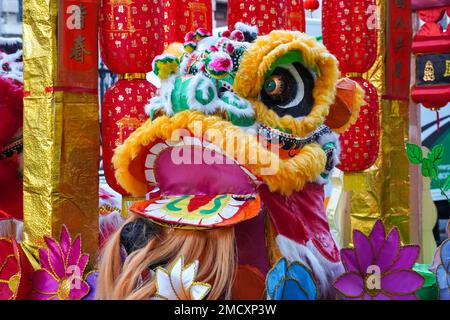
x,y
438,120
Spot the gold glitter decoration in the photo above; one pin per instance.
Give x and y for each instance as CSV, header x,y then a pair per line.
x,y
61,141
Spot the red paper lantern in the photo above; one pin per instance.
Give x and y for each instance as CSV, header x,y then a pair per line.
x,y
360,143
295,16
267,15
122,113
350,33
131,34
181,17
311,5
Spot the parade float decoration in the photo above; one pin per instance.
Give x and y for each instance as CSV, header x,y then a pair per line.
x,y
131,34
221,140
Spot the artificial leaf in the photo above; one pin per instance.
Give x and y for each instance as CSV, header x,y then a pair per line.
x,y
434,171
414,153
446,185
426,167
437,154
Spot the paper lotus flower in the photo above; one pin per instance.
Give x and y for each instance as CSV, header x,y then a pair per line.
x,y
62,269
177,283
443,271
15,271
290,281
379,268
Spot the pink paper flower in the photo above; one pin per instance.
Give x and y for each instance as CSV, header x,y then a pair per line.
x,y
62,270
379,268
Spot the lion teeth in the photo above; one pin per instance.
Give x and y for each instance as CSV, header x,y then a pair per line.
x,y
157,148
150,161
150,176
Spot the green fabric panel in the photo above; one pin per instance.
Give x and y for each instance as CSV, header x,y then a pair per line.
x,y
178,97
288,58
199,95
240,121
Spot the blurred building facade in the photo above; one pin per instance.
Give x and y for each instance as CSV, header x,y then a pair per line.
x,y
11,18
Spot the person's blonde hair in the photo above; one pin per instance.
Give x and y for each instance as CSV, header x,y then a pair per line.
x,y
215,250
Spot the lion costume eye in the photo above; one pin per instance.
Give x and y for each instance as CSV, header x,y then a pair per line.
x,y
288,90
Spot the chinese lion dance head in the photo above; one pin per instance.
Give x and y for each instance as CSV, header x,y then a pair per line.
x,y
240,141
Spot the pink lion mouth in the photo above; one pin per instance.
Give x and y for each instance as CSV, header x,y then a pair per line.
x,y
195,167
199,186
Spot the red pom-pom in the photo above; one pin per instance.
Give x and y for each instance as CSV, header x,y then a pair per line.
x,y
237,35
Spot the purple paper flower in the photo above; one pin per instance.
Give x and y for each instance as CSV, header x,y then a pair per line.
x,y
62,269
379,267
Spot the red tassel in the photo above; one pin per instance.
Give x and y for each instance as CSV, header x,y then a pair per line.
x,y
438,120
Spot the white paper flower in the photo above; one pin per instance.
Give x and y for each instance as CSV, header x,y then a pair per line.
x,y
178,283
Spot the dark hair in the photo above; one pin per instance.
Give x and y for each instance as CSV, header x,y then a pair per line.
x,y
136,234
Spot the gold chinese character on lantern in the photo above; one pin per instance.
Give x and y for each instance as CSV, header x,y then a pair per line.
x,y
428,73
447,68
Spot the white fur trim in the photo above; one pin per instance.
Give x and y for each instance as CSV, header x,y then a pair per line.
x,y
325,271
333,137
246,28
16,72
164,98
9,41
184,64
